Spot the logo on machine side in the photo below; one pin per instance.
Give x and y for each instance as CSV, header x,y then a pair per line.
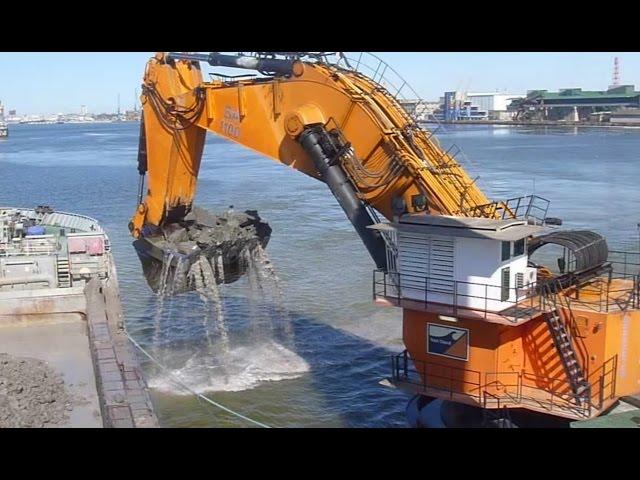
x,y
230,123
451,342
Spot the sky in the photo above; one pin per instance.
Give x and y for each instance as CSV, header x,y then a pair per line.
x,y
61,82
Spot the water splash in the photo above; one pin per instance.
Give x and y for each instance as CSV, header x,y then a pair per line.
x,y
220,364
243,368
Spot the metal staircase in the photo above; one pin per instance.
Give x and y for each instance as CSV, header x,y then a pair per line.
x,y
64,272
562,339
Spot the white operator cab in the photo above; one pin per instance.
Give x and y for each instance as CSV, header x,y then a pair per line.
x,y
476,263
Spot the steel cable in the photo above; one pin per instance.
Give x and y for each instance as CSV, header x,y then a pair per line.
x,y
199,395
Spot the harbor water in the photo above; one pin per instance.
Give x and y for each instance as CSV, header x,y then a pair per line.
x,y
309,349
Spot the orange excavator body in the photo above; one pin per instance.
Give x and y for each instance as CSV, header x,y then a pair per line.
x,y
402,160
398,169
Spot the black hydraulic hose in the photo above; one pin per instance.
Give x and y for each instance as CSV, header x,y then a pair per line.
x,y
313,141
169,115
142,148
142,159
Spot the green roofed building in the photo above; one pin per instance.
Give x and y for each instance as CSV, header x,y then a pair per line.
x,y
574,104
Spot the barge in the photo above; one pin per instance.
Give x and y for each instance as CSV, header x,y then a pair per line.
x,y
61,317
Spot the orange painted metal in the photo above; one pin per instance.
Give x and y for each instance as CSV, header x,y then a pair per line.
x,y
520,364
266,115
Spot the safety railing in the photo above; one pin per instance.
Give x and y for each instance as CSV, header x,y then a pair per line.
x,y
532,208
625,263
497,389
28,253
626,266
383,74
430,375
552,399
513,304
396,86
31,246
505,385
366,63
391,83
603,382
603,294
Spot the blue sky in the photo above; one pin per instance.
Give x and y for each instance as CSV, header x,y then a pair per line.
x,y
62,82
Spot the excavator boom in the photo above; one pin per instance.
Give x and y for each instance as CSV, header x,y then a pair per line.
x,y
329,122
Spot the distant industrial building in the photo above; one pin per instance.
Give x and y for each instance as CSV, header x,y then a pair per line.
x,y
464,106
133,115
625,116
574,104
420,109
456,107
495,104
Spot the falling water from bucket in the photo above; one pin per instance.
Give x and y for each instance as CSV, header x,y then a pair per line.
x,y
223,365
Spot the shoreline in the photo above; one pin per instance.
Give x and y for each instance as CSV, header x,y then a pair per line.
x,y
533,124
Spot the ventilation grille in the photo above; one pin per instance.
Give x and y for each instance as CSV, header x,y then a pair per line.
x,y
426,262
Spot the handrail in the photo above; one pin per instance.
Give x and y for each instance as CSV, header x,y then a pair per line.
x,y
531,299
606,388
403,372
622,296
552,291
484,398
572,330
68,214
525,208
391,83
432,287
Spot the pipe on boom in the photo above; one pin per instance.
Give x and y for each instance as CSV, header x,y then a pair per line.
x,y
271,65
317,143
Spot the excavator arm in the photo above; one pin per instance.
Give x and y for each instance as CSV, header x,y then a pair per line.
x,y
329,122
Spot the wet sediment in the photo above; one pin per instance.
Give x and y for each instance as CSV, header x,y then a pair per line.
x,y
204,248
32,394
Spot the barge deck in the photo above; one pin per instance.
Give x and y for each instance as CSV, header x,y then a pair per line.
x,y
60,308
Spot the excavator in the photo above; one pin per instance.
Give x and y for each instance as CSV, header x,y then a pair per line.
x,y
486,329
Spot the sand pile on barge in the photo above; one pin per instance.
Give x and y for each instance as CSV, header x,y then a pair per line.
x,y
31,394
